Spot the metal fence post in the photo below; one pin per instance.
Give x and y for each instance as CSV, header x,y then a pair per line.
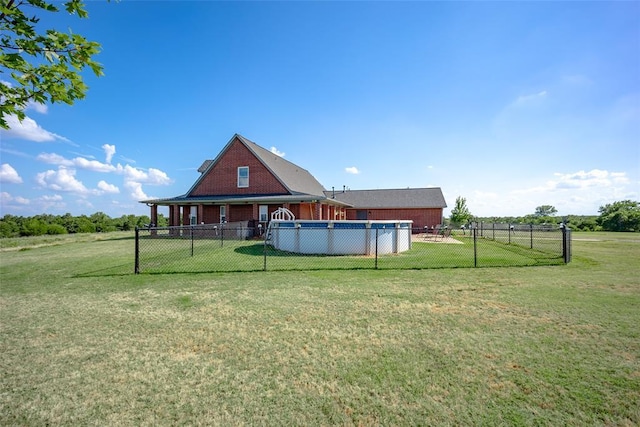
x,y
137,249
264,250
566,244
475,247
376,263
191,231
531,235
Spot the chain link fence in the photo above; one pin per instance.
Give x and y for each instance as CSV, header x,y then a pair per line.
x,y
217,248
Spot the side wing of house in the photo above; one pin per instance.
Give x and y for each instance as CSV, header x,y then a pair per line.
x,y
423,206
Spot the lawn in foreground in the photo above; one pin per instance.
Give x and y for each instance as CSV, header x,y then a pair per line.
x,y
84,341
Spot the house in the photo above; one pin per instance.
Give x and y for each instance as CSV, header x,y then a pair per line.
x,y
246,183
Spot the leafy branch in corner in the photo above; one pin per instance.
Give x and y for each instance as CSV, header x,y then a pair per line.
x,y
42,67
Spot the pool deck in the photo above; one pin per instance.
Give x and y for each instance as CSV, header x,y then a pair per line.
x,y
433,238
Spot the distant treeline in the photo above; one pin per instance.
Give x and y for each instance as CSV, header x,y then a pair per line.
x,y
618,216
575,222
99,222
623,215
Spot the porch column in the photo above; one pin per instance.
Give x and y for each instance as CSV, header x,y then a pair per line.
x,y
174,215
185,215
200,214
154,214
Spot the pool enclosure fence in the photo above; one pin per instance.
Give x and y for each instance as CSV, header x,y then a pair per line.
x,y
225,248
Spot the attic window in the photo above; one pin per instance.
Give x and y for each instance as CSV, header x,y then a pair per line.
x,y
243,176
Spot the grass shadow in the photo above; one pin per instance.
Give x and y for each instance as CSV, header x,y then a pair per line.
x,y
112,271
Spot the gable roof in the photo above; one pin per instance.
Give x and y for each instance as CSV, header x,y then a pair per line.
x,y
294,178
394,198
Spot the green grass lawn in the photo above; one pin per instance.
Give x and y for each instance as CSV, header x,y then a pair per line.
x,y
84,341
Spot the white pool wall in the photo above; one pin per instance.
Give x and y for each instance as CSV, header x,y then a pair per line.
x,y
341,237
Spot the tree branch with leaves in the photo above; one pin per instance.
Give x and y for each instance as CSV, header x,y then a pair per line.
x,y
43,67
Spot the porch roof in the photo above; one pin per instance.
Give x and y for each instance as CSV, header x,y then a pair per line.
x,y
244,199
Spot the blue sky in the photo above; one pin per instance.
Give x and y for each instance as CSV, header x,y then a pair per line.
x,y
512,105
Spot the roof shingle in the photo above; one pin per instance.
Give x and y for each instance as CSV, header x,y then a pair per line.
x,y
392,198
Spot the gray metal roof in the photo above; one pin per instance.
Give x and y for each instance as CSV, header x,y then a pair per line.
x,y
296,179
393,198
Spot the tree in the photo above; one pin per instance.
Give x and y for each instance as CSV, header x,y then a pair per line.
x,y
44,67
460,213
545,210
620,216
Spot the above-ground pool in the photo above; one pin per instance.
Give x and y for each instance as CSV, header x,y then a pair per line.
x,y
340,237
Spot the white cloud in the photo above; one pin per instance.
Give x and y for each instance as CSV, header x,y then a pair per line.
x,y
93,165
127,159
62,180
54,159
581,180
529,99
48,203
108,188
132,174
8,175
352,170
21,200
136,192
6,198
14,152
80,162
157,177
275,151
593,178
85,203
579,193
134,178
153,176
54,198
37,107
109,151
30,130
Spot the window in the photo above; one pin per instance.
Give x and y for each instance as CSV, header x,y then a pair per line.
x,y
264,213
223,214
193,215
243,176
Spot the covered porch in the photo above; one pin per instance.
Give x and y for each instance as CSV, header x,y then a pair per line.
x,y
257,211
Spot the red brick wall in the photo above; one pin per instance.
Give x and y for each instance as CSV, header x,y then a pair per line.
x,y
211,214
420,217
240,213
222,179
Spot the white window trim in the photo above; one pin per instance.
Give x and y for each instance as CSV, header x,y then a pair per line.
x,y
239,177
193,215
263,210
223,214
